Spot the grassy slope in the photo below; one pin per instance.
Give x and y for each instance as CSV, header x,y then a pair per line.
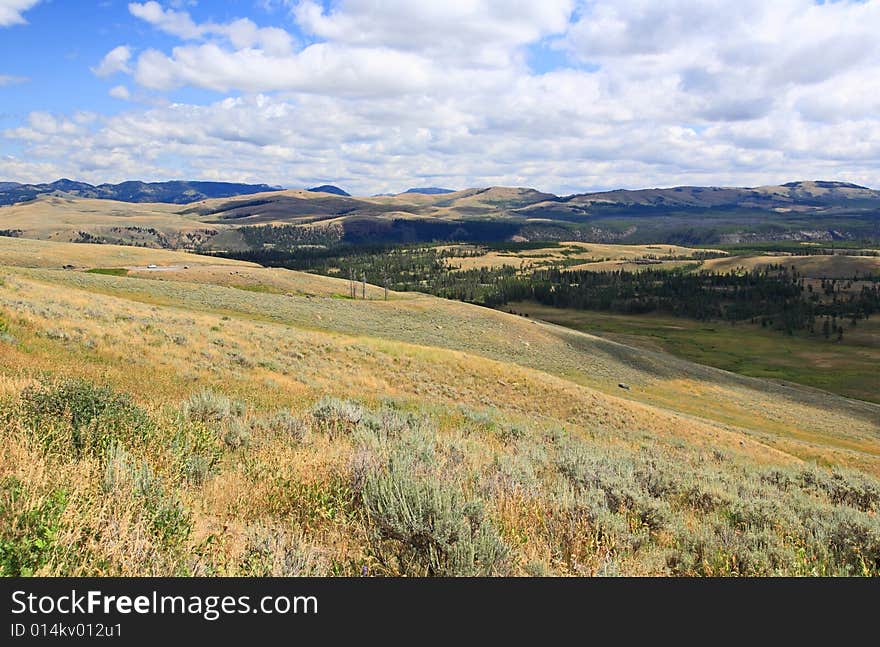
x,y
598,256
20,252
58,218
582,359
837,266
494,386
845,368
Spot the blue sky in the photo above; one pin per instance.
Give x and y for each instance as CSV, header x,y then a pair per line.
x,y
560,95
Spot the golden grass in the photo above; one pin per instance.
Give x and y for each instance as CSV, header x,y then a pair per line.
x,y
817,266
595,256
21,252
163,336
59,218
485,334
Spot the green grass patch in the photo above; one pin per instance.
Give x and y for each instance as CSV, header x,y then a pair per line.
x,y
258,287
109,271
848,368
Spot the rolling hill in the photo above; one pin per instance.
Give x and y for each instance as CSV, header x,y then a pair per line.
x,y
329,188
818,211
256,421
429,190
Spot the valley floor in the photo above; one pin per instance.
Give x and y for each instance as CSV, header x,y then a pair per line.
x,y
848,368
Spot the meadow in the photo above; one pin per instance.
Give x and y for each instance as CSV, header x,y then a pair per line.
x,y
246,421
848,368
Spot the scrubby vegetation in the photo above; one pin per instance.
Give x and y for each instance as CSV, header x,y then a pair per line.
x,y
777,296
178,425
110,487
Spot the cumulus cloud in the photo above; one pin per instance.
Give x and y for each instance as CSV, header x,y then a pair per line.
x,y
319,68
386,95
486,32
241,33
731,61
11,11
116,60
363,48
120,92
176,23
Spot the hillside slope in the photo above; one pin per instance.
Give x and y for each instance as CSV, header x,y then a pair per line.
x,y
521,423
681,215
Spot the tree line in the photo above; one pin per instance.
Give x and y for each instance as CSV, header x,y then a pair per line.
x,y
775,296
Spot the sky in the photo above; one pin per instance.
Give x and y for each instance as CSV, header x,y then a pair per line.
x,y
378,96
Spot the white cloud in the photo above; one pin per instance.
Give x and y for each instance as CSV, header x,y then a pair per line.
x,y
241,33
366,49
11,11
27,171
120,92
321,68
8,79
115,61
176,23
392,94
731,60
471,32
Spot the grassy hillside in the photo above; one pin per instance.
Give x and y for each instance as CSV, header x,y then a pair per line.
x,y
92,220
848,368
575,255
36,253
171,423
825,266
806,211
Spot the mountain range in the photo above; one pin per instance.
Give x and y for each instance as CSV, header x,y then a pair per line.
x,y
174,192
803,194
686,215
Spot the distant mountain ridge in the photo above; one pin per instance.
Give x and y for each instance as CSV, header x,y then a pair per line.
x,y
804,193
329,188
173,192
429,190
685,215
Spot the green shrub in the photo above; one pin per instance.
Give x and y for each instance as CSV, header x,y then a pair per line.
x,y
361,464
27,532
236,433
197,448
842,541
390,423
168,520
197,469
171,522
282,424
484,419
844,487
80,418
165,517
337,417
424,526
207,406
513,475
5,336
720,551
